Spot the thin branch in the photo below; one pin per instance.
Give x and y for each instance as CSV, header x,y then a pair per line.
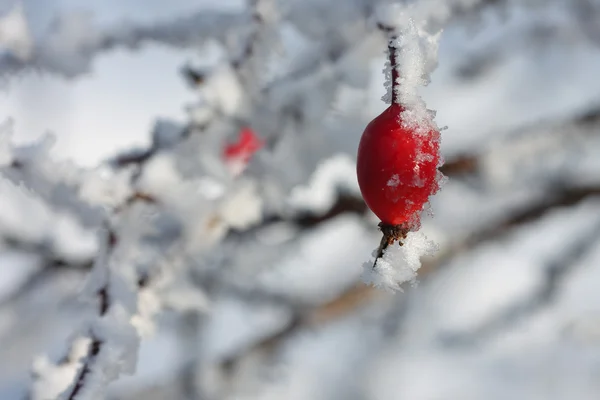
x,y
49,270
104,303
394,66
392,51
60,192
103,297
252,40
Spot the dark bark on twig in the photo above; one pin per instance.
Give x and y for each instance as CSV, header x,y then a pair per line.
x,y
104,300
391,235
394,66
95,346
392,54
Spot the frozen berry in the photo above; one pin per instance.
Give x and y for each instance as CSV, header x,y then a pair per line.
x,y
397,168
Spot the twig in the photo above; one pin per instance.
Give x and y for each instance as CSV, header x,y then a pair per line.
x,y
138,159
391,234
104,303
392,37
104,300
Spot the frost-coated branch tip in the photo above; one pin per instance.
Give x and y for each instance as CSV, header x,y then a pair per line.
x,y
396,265
412,56
390,235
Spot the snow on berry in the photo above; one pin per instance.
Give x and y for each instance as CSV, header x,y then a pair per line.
x,y
399,264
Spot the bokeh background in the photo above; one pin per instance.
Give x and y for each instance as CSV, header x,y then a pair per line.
x,y
273,308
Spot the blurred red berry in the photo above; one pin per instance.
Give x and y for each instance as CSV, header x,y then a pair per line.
x,y
397,168
240,152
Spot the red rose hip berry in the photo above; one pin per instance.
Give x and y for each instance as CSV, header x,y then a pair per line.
x,y
237,155
397,168
247,144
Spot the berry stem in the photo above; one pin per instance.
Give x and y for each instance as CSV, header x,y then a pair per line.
x,y
394,68
382,246
391,234
392,36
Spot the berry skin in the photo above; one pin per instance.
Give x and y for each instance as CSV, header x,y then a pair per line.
x,y
397,168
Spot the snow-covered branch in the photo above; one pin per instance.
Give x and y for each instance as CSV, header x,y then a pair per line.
x,y
73,40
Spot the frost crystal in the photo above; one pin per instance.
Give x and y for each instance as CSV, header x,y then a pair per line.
x,y
399,264
224,91
416,49
53,379
394,181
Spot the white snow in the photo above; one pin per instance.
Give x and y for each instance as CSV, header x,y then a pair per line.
x,y
335,174
394,181
416,51
399,264
54,379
